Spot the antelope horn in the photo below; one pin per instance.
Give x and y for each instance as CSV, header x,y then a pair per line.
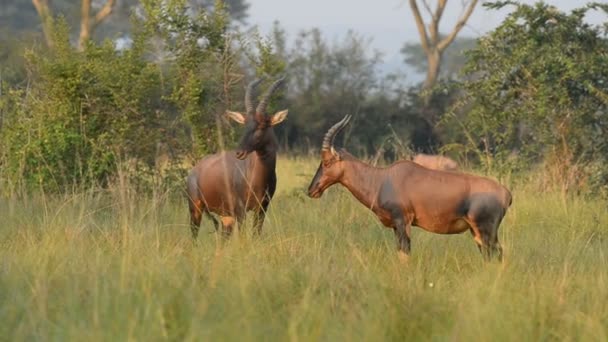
x,y
248,95
328,139
264,102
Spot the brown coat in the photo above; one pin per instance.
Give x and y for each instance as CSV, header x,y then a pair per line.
x,y
405,194
231,183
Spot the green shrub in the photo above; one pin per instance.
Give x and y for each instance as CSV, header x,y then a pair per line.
x,y
536,91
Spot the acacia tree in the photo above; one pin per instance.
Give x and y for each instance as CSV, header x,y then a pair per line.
x,y
452,62
431,41
88,22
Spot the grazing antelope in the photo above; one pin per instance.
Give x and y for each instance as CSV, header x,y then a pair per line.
x,y
406,194
435,162
231,183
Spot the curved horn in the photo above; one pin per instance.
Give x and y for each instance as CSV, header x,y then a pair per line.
x,y
328,139
264,102
248,94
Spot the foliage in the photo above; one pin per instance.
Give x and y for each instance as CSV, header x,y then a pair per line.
x,y
328,80
194,54
20,15
12,64
537,89
84,112
105,266
77,114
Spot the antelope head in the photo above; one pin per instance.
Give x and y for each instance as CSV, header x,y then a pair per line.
x,y
258,133
332,166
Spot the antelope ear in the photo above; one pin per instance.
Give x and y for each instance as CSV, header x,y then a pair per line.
x,y
237,117
278,117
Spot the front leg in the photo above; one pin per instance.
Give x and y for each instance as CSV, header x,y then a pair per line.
x,y
258,219
260,213
395,217
402,230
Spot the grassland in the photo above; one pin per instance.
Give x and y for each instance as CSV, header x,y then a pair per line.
x,y
114,266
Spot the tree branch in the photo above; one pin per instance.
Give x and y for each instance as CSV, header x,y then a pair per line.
x,y
39,5
424,40
85,16
42,7
434,25
103,13
439,10
459,25
427,7
88,24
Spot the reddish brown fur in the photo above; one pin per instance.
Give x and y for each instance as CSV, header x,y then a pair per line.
x,y
231,183
406,194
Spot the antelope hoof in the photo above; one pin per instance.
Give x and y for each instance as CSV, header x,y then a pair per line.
x,y
403,257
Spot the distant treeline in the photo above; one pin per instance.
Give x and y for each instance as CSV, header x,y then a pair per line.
x,y
532,92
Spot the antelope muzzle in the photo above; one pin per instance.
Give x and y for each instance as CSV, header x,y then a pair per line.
x,y
315,190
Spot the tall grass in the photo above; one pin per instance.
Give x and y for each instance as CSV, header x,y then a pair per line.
x,y
92,266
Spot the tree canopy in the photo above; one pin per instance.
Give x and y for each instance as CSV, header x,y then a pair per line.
x,y
538,86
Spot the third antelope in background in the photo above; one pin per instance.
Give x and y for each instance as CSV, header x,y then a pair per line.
x,y
231,183
406,194
435,162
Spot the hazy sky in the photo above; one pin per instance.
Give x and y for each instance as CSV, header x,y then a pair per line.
x,y
388,22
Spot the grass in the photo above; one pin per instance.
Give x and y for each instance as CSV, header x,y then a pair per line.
x,y
114,266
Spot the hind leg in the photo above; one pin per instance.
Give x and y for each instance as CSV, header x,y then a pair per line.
x,y
402,229
402,226
485,235
196,212
492,237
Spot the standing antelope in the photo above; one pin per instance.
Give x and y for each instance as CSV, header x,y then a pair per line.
x,y
232,183
406,194
435,162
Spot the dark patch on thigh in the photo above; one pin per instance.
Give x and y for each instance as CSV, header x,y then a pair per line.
x,y
485,209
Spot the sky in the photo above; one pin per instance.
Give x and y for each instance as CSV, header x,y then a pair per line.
x,y
389,23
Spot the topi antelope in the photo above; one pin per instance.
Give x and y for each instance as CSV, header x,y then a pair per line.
x,y
406,194
435,162
231,183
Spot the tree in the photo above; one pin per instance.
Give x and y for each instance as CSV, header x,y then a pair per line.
x,y
88,22
431,41
453,60
23,16
236,8
538,86
81,114
326,81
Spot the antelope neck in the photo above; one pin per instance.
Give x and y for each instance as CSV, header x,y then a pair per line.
x,y
267,155
363,181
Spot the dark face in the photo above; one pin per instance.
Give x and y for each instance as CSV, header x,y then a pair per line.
x,y
258,132
329,172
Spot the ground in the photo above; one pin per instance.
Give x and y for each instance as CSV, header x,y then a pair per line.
x,y
105,265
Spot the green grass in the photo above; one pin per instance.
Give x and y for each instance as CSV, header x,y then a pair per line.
x,y
114,266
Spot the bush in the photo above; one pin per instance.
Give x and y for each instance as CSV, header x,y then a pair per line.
x,y
536,91
83,112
